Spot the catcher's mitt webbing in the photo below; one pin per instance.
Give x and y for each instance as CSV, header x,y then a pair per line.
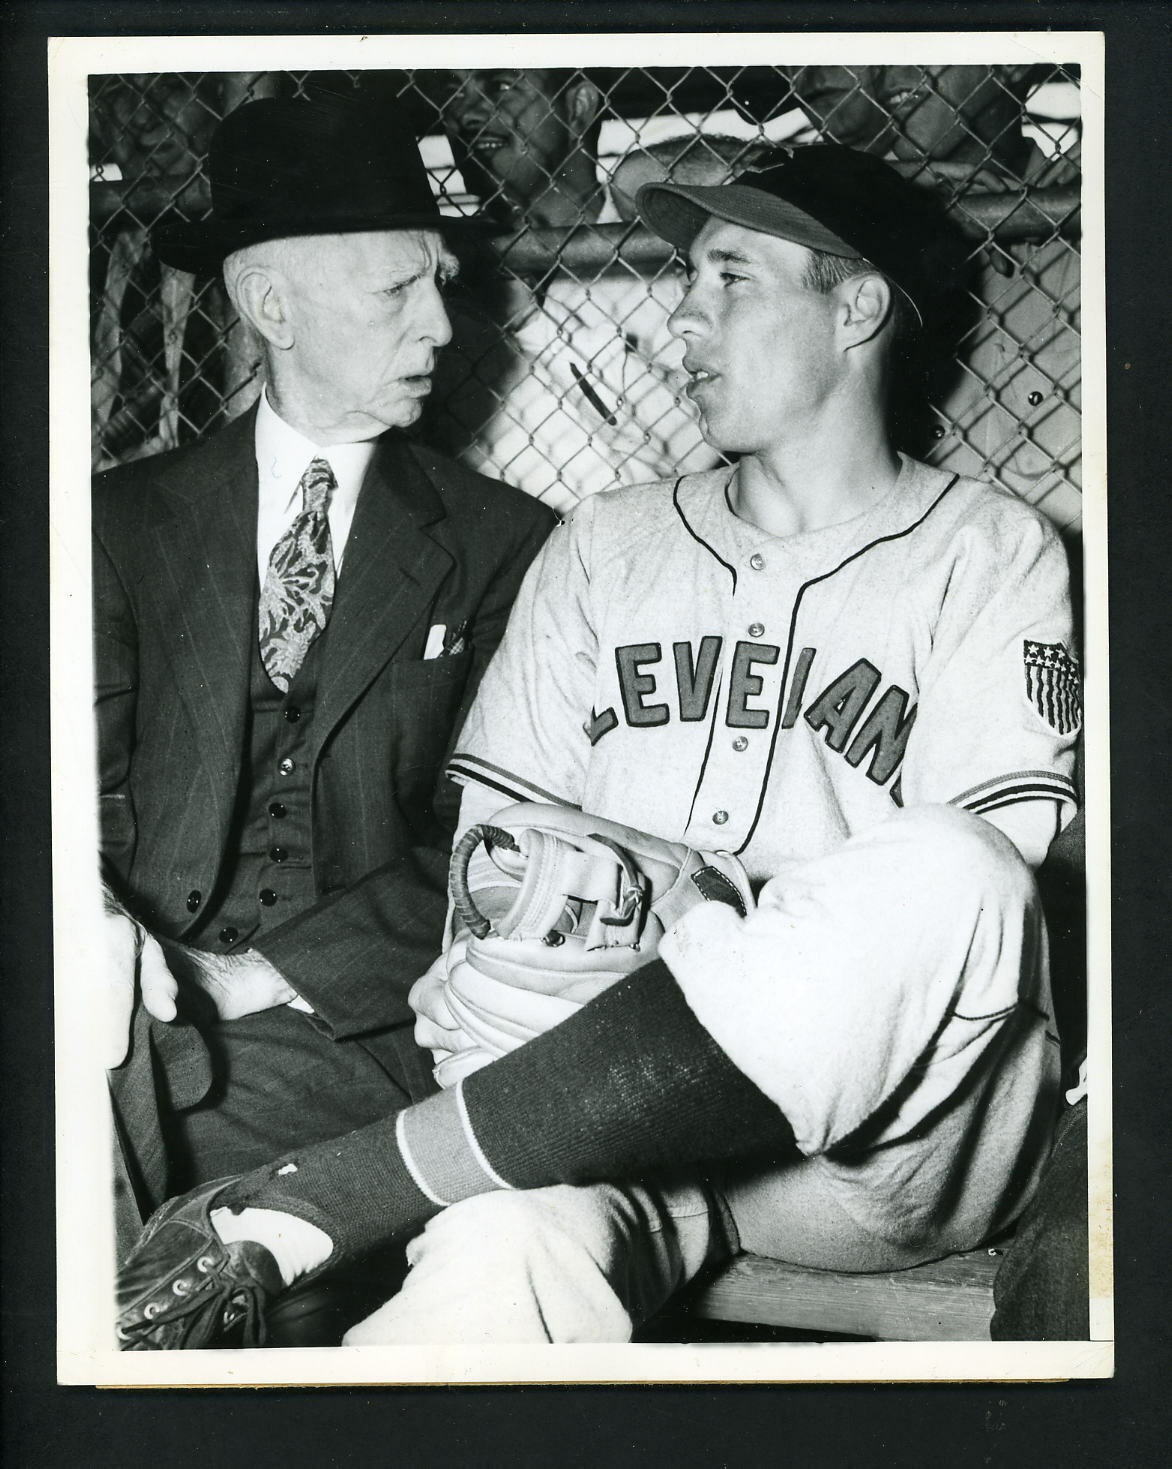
x,y
466,910
552,873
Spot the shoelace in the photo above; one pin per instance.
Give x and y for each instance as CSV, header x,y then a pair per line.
x,y
247,1297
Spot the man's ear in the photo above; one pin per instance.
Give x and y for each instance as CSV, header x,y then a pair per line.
x,y
583,104
865,305
259,298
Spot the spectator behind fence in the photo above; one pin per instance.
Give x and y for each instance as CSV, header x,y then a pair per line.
x,y
1012,414
157,345
562,386
291,618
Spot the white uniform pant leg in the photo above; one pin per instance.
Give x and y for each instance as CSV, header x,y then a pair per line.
x,y
792,1214
555,1264
892,997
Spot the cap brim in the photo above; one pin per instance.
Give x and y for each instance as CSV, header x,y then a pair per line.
x,y
677,213
201,247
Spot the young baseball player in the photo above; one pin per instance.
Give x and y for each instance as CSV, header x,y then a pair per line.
x,y
851,671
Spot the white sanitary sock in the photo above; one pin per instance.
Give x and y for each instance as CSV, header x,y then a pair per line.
x,y
295,1244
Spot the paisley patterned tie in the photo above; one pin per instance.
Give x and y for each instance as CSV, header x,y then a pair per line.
x,y
298,591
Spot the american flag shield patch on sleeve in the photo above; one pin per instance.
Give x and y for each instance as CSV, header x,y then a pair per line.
x,y
1052,685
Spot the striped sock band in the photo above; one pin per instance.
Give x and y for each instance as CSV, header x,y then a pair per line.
x,y
440,1151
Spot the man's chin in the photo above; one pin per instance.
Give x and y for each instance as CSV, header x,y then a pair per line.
x,y
402,414
715,435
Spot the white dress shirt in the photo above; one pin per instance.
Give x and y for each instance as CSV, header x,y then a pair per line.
x,y
282,457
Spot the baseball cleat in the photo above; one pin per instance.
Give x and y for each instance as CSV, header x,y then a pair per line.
x,y
181,1287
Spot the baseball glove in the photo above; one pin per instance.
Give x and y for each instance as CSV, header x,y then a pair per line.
x,y
568,904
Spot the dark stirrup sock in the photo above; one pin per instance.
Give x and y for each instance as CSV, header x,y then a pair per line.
x,y
629,1085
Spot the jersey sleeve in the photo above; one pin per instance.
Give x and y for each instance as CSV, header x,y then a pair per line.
x,y
525,737
1000,703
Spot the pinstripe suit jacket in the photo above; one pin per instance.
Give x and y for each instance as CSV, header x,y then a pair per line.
x,y
175,589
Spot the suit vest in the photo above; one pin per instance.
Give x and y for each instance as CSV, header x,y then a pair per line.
x,y
267,876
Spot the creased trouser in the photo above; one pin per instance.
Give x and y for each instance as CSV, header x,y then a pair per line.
x,y
192,1105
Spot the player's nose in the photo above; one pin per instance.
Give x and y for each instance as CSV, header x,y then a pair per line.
x,y
688,317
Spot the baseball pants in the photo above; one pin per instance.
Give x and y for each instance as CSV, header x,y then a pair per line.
x,y
590,1264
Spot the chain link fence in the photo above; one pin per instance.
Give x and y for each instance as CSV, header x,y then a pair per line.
x,y
562,376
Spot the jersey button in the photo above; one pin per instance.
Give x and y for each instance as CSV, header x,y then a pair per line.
x,y
719,818
194,899
277,810
287,766
229,935
756,629
277,854
740,743
757,561
267,897
292,714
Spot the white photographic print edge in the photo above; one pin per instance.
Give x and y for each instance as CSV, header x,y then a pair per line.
x,y
87,1351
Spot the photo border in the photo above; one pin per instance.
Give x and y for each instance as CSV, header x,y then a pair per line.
x,y
86,1352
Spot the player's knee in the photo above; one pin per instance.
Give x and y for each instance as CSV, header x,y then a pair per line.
x,y
955,853
489,1218
501,1224
532,1224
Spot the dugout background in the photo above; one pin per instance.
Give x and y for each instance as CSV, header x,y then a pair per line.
x,y
170,362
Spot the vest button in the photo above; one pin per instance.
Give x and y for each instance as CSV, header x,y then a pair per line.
x,y
756,629
287,766
292,714
194,899
740,743
277,811
229,935
277,854
267,897
757,561
719,818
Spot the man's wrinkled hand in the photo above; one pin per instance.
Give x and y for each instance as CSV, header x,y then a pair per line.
x,y
237,984
133,966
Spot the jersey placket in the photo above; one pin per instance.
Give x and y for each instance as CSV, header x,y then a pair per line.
x,y
747,701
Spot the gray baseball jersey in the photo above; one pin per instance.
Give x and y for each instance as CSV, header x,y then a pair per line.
x,y
674,668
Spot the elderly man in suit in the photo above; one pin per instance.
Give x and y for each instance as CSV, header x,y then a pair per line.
x,y
291,618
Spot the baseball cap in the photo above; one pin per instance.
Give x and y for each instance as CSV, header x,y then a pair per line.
x,y
829,198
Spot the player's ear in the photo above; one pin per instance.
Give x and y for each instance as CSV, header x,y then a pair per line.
x,y
865,303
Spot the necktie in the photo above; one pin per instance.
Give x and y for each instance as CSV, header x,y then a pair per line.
x,y
298,590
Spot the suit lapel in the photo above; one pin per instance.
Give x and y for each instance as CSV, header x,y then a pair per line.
x,y
207,560
394,562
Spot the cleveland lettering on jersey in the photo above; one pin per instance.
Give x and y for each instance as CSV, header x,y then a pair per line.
x,y
854,718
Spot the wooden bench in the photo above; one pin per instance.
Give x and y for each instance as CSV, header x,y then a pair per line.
x,y
947,1300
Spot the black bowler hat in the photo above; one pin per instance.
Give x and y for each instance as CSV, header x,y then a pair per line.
x,y
285,167
828,198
